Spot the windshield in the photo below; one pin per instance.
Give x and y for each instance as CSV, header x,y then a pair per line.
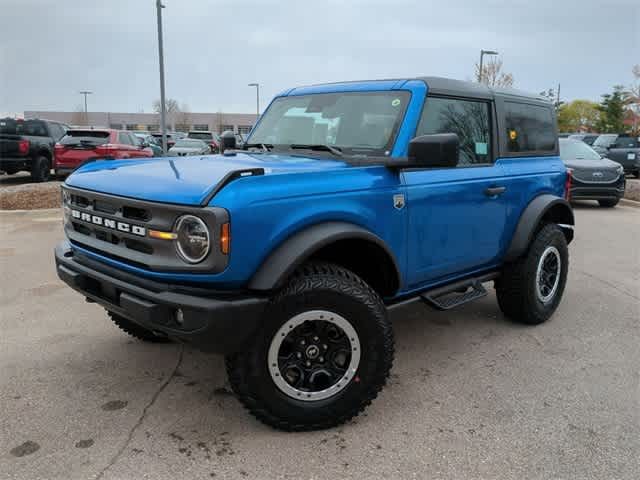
x,y
201,135
605,140
356,123
576,150
189,144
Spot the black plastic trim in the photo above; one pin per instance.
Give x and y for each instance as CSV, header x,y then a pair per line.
x,y
213,321
530,219
282,262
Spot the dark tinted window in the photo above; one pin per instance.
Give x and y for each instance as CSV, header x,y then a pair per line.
x,y
467,118
626,142
85,137
529,128
35,128
56,131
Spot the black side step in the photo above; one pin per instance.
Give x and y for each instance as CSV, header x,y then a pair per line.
x,y
451,295
446,300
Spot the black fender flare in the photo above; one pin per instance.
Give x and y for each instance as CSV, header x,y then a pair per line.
x,y
531,218
290,254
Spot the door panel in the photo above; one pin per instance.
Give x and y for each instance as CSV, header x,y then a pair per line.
x,y
454,226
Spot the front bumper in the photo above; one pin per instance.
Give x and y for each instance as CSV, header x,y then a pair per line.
x,y
598,191
212,321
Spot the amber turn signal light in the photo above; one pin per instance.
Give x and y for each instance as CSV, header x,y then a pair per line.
x,y
162,235
225,238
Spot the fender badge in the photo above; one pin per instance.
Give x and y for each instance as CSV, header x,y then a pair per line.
x,y
398,201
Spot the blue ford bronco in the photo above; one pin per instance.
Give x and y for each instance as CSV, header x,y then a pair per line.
x,y
346,200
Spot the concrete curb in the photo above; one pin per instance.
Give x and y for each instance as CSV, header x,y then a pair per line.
x,y
630,203
33,210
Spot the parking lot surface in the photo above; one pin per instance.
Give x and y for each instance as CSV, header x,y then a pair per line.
x,y
470,396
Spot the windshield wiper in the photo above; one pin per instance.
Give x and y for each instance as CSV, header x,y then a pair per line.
x,y
327,148
266,147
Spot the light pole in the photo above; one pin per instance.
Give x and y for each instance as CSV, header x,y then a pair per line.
x,y
257,85
482,54
86,115
163,112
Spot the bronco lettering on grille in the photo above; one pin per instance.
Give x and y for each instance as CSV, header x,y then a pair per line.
x,y
108,223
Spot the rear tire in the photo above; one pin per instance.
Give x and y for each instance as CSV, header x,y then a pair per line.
x,y
40,169
529,289
135,330
322,354
608,203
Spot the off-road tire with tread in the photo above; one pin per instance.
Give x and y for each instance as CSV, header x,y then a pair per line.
x,y
136,331
516,286
40,169
316,286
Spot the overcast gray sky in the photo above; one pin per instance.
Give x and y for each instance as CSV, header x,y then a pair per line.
x,y
49,50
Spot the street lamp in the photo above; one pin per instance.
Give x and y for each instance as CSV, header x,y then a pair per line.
x,y
86,115
482,54
163,112
257,85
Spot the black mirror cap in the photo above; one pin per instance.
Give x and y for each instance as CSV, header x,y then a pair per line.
x,y
227,140
436,150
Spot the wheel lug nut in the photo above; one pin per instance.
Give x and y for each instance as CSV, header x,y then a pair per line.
x,y
299,355
302,342
308,363
321,359
315,339
324,346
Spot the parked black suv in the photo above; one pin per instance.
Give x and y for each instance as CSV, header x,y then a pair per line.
x,y
626,151
27,145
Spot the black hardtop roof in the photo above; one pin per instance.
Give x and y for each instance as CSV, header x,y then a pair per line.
x,y
449,86
460,88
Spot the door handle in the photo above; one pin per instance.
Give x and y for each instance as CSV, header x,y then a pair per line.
x,y
493,191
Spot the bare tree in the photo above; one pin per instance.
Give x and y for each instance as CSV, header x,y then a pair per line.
x,y
171,106
493,75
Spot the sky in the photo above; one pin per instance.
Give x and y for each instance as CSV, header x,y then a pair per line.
x,y
50,50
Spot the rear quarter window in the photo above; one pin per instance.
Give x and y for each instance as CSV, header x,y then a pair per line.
x,y
530,128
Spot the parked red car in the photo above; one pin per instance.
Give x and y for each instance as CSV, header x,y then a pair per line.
x,y
79,146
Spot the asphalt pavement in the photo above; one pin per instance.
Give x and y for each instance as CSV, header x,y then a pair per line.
x,y
471,395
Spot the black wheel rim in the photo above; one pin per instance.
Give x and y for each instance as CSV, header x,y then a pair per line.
x,y
548,274
314,355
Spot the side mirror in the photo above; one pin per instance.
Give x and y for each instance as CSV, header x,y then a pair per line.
x,y
436,150
227,140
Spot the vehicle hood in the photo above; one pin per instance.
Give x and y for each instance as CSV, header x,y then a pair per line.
x,y
602,164
184,180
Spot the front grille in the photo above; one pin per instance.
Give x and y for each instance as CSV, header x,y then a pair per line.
x,y
117,227
595,176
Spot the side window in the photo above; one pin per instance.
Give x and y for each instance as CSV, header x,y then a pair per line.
x,y
529,128
469,119
57,132
137,141
123,138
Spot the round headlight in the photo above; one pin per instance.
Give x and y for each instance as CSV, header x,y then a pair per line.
x,y
193,241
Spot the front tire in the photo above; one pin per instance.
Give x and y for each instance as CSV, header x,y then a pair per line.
x,y
530,289
608,203
323,353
